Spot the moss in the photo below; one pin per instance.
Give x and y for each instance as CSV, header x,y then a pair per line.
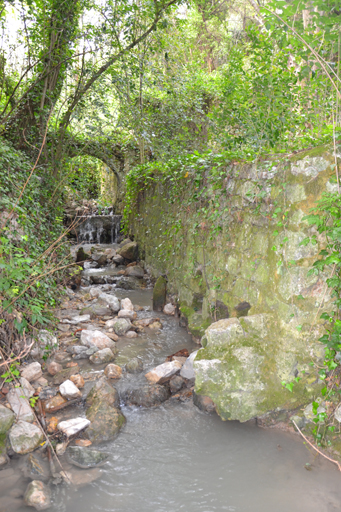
x,y
245,261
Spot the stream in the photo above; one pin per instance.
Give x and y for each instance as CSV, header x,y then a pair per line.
x,y
175,457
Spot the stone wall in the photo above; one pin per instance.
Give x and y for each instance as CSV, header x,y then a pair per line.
x,y
247,287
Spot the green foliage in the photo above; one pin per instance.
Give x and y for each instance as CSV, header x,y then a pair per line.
x,y
12,373
82,176
28,286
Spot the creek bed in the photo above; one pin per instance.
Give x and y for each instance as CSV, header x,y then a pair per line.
x,y
176,458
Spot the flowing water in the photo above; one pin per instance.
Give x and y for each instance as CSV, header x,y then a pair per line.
x,y
176,458
100,229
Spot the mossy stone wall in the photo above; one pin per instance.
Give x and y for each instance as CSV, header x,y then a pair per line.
x,y
249,259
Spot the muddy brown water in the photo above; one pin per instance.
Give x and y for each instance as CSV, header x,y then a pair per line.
x,y
176,458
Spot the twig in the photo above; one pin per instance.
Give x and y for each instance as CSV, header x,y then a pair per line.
x,y
316,449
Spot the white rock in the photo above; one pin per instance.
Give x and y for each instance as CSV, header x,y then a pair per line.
x,y
76,319
109,324
127,313
32,371
187,371
25,437
111,300
127,304
20,405
69,390
169,309
96,339
73,426
28,390
162,372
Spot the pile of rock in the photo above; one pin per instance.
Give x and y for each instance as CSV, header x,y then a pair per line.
x,y
173,378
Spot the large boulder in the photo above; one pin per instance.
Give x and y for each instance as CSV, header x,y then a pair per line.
x,y
103,391
106,422
25,437
7,418
241,368
37,495
129,251
97,339
159,294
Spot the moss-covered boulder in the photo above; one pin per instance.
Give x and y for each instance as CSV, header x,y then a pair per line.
x,y
159,294
129,251
106,422
244,363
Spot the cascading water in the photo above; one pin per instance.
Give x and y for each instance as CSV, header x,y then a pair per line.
x,y
100,229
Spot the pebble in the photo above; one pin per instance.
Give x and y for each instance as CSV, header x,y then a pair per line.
x,y
71,365
131,334
83,442
169,309
175,384
126,313
135,365
52,424
62,357
54,402
77,380
102,356
37,495
113,371
54,368
126,304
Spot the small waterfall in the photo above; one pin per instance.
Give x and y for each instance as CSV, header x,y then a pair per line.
x,y
100,229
